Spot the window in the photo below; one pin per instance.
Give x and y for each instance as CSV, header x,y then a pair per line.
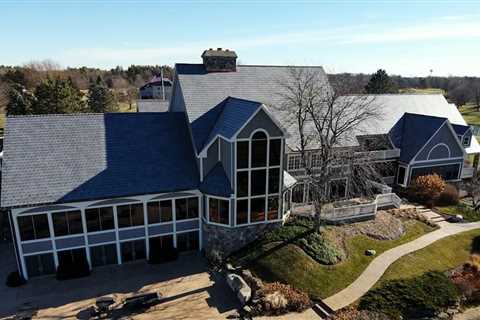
x,y
40,264
401,175
33,227
298,193
186,208
258,182
242,154
159,211
103,255
259,150
99,219
315,160
274,180
130,215
466,141
242,184
294,162
257,209
159,243
275,152
447,172
218,210
72,256
242,211
133,250
272,212
338,188
187,241
67,223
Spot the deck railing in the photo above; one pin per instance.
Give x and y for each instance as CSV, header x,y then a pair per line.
x,y
467,172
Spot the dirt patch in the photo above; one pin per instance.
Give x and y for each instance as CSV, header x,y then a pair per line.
x,y
384,227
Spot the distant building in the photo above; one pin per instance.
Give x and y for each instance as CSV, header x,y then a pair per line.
x,y
157,88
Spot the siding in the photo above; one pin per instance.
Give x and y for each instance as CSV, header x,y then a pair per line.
x,y
177,103
444,135
263,121
211,159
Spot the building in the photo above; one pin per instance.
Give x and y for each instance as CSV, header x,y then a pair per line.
x,y
214,172
155,95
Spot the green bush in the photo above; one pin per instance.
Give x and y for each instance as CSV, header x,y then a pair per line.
x,y
423,296
14,279
320,249
448,197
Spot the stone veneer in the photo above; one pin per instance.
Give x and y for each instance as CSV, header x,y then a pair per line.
x,y
228,240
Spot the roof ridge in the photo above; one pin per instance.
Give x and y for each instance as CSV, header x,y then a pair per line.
x,y
259,65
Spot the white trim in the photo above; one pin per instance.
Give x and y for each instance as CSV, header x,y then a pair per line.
x,y
436,160
441,144
405,176
438,165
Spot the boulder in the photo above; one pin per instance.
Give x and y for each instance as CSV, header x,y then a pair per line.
x,y
370,252
240,287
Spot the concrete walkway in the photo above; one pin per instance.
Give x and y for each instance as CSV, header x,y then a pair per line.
x,y
380,264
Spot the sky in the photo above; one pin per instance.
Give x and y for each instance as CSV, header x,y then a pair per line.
x,y
409,38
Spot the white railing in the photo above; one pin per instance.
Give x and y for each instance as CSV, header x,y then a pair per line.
x,y
388,199
389,180
381,154
381,187
467,172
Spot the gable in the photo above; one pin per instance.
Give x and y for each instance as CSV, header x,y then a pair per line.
x,y
442,145
260,121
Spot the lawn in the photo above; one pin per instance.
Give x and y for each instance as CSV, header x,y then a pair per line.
x,y
463,209
442,255
470,114
288,263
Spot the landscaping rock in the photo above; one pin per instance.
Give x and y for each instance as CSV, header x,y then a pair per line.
x,y
254,282
459,217
370,252
240,287
384,227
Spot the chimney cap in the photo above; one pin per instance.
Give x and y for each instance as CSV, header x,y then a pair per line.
x,y
219,53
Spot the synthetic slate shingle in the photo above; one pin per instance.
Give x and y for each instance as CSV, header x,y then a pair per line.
x,y
216,182
66,158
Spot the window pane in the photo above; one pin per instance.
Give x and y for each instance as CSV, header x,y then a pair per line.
x,y
259,152
140,251
275,154
106,218
133,250
242,154
166,210
60,225
159,243
224,211
242,211
297,193
103,255
187,241
40,222
74,222
401,175
25,224
93,220
338,188
272,208
192,208
126,249
181,209
41,264
258,182
153,212
213,210
123,213
257,209
137,214
273,180
242,184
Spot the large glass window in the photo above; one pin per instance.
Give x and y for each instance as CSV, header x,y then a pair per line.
x,y
186,208
447,172
67,223
338,188
258,182
272,213
187,241
130,215
159,211
294,162
103,255
72,256
218,210
275,152
401,175
40,264
242,184
133,250
99,219
242,211
274,180
257,209
259,150
242,154
33,227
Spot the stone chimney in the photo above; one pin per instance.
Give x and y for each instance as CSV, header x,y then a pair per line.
x,y
219,60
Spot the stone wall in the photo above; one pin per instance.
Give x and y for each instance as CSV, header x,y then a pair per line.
x,y
228,240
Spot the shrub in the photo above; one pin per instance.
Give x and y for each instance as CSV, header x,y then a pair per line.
x,y
423,296
14,279
277,298
448,197
163,255
426,189
75,270
320,249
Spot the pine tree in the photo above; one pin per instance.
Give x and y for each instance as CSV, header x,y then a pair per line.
x,y
380,82
58,96
100,98
19,101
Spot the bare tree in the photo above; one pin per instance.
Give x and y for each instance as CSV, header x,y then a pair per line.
x,y
325,124
472,188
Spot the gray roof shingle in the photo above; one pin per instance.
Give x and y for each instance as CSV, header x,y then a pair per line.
x,y
66,158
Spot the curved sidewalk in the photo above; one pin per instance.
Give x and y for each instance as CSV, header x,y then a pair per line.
x,y
379,265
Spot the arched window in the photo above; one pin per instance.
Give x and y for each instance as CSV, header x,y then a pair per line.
x,y
259,150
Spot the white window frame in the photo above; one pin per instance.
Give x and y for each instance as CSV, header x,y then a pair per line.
x,y
404,183
294,162
466,142
208,211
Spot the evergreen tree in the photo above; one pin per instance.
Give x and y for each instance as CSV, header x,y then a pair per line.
x,y
380,82
19,101
100,98
58,96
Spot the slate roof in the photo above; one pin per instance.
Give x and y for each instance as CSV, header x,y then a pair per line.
x,y
66,158
156,80
460,129
225,119
412,132
216,182
264,84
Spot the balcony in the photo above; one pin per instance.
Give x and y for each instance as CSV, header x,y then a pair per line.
x,y
467,171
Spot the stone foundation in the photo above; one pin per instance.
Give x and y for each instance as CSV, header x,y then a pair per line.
x,y
227,240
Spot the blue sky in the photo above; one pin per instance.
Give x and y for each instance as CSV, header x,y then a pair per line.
x,y
404,37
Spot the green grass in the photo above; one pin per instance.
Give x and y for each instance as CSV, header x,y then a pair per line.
x,y
470,114
442,255
290,264
466,211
